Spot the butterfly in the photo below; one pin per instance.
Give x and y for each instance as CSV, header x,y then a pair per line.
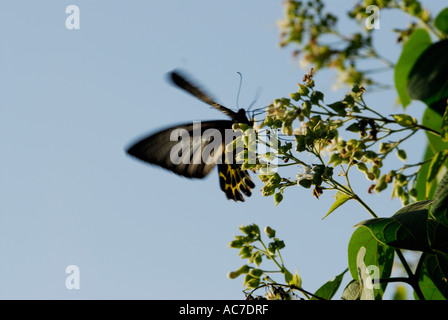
x,y
187,156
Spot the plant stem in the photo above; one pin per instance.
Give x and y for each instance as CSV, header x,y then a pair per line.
x,y
354,196
413,278
372,213
306,293
266,252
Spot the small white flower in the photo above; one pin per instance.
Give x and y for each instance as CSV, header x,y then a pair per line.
x,y
307,174
302,130
276,109
327,149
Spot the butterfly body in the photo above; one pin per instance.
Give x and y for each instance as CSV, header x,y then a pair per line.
x,y
192,150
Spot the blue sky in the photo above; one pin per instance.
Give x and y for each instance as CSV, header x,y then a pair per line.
x,y
72,100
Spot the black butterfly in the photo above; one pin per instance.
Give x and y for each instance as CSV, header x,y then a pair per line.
x,y
158,148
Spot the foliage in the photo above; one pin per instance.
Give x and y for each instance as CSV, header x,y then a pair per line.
x,y
349,135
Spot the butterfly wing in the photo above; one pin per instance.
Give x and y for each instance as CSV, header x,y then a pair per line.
x,y
234,181
181,81
186,150
193,154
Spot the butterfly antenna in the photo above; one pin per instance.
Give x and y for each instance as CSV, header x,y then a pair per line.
x,y
257,95
239,90
257,111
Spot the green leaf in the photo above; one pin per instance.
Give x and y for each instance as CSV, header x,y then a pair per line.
x,y
354,127
440,205
441,21
438,236
444,128
288,276
341,198
296,280
405,120
427,80
328,289
406,229
436,164
376,254
352,291
433,120
414,47
433,277
339,108
421,178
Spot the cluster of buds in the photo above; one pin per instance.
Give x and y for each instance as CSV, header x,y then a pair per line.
x,y
304,127
402,186
317,41
247,244
412,7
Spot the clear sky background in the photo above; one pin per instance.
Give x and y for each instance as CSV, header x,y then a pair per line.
x,y
72,100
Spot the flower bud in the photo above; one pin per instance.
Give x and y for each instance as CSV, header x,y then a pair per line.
x,y
370,176
236,244
401,154
401,178
287,130
245,252
405,120
267,190
303,90
381,185
235,126
370,154
399,191
251,282
385,147
362,167
328,172
390,176
256,272
269,232
295,96
358,154
250,229
306,108
376,171
305,183
244,269
278,197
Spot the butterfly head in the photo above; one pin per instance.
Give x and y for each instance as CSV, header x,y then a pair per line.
x,y
241,117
